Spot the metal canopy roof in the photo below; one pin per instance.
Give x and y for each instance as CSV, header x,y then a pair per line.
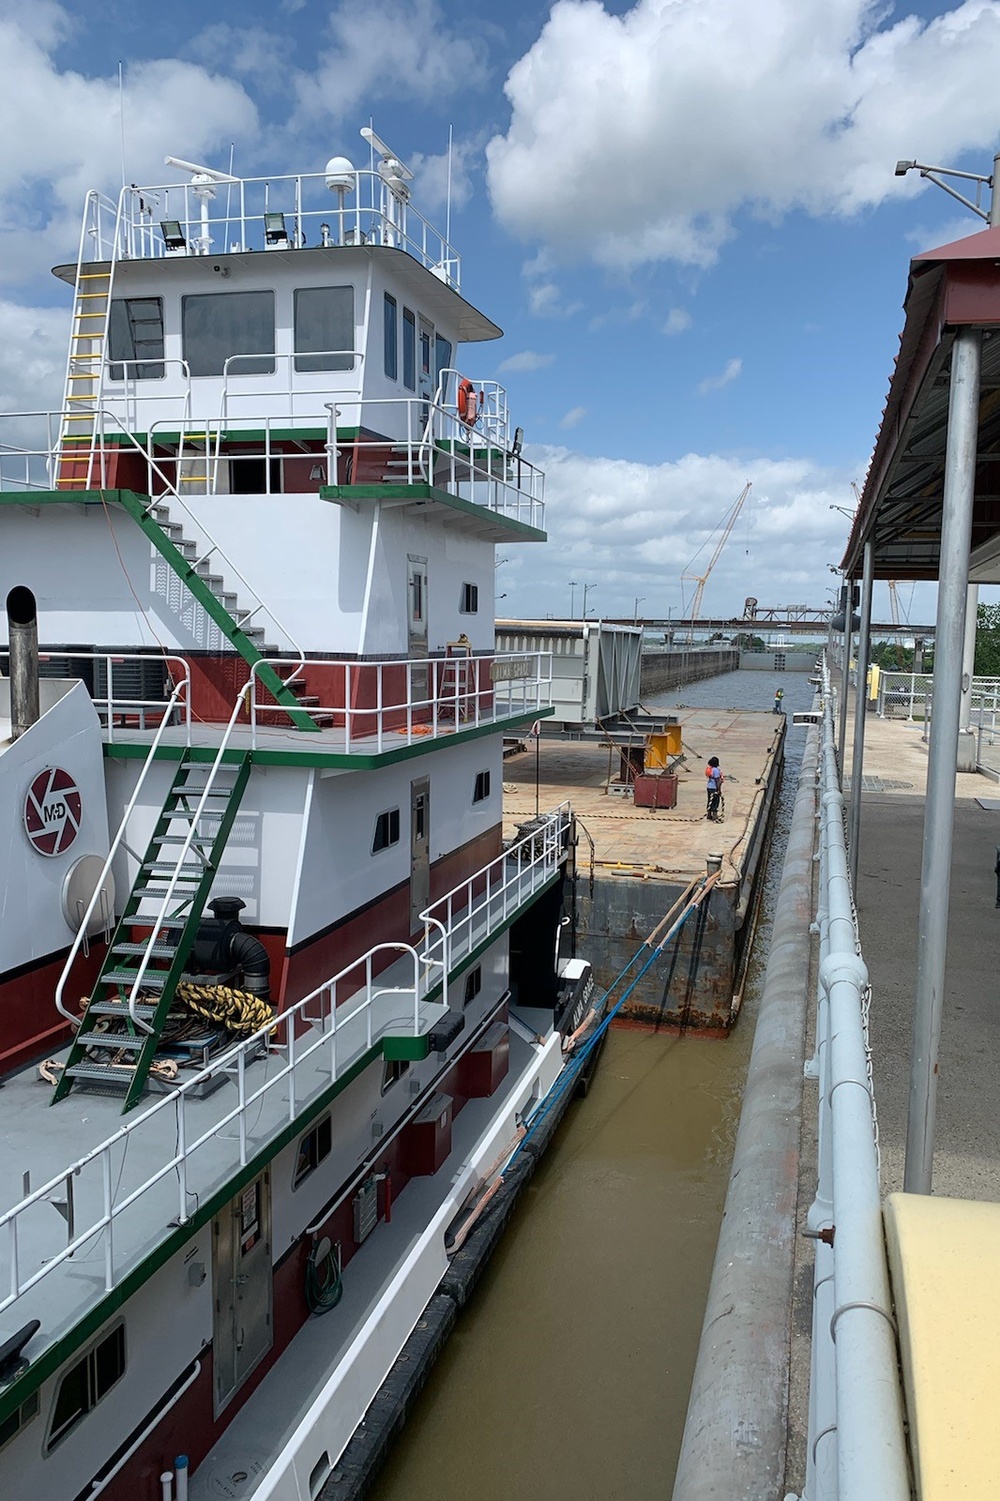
x,y
957,285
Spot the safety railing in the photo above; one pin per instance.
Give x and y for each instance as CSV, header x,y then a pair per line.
x,y
856,1446
465,916
903,695
195,1144
381,705
276,213
119,707
181,694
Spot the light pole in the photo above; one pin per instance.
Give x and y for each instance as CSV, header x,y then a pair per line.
x,y
572,599
639,599
586,590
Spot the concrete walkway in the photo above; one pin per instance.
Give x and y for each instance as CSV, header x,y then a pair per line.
x,y
967,1155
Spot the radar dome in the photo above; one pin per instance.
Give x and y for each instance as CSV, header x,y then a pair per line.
x,y
339,174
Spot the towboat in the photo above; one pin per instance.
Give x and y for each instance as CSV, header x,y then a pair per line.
x,y
277,1000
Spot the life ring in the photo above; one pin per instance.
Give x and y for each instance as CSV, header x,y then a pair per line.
x,y
467,402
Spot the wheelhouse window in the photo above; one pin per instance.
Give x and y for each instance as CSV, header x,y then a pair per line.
x,y
442,357
391,339
324,328
386,830
409,350
237,327
86,1382
313,1148
135,338
482,788
469,603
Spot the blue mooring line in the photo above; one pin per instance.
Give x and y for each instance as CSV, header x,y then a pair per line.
x,y
573,1068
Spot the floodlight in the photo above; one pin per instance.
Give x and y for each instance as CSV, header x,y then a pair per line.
x,y
173,236
903,167
275,233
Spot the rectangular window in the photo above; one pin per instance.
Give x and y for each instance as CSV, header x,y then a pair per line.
x,y
392,1070
473,984
86,1382
482,790
442,357
233,326
469,604
386,830
391,340
135,338
409,350
324,328
313,1148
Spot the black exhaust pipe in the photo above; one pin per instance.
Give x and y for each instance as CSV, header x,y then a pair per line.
x,y
23,624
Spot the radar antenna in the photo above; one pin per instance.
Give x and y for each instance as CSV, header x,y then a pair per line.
x,y
203,185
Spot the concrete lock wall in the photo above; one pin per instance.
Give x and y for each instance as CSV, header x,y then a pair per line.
x,y
774,660
664,670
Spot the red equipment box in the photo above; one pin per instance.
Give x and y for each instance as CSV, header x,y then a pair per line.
x,y
655,792
428,1136
487,1063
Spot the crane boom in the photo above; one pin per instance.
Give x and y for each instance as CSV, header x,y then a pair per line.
x,y
701,579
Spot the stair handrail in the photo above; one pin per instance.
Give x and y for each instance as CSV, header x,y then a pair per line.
x,y
215,547
182,688
133,995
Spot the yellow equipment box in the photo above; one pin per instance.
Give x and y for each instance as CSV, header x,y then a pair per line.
x,y
662,748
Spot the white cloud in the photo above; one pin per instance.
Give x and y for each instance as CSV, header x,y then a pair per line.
x,y
573,417
526,360
393,49
732,371
634,528
638,137
60,131
677,320
431,174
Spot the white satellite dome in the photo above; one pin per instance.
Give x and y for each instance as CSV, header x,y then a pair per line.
x,y
339,174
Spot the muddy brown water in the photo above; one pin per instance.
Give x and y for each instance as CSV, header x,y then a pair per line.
x,y
567,1375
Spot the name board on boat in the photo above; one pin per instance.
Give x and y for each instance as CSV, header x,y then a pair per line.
x,y
53,808
511,667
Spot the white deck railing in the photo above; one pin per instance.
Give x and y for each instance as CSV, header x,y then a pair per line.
x,y
195,1145
416,699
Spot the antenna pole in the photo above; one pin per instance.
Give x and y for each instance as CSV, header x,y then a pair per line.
x,y
121,118
447,222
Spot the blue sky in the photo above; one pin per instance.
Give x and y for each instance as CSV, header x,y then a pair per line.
x,y
683,213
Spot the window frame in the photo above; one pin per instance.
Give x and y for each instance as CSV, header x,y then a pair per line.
x,y
468,604
473,985
330,362
88,1360
134,367
246,355
409,348
481,790
390,336
317,1149
391,830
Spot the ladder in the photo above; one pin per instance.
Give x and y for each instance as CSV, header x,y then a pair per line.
x,y
455,681
78,437
120,1030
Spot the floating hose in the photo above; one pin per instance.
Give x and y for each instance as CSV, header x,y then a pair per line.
x,y
324,1280
236,1010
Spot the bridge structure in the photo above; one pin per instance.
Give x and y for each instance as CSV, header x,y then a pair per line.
x,y
808,622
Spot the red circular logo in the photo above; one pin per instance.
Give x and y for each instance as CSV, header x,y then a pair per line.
x,y
52,811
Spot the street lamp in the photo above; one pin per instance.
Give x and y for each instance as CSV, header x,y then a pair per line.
x,y
639,599
586,590
572,599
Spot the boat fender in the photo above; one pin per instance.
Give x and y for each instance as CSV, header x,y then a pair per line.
x,y
468,402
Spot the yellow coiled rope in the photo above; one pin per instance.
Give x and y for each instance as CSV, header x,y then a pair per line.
x,y
236,1010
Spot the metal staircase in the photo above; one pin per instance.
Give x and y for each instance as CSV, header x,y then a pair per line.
x,y
119,1033
194,569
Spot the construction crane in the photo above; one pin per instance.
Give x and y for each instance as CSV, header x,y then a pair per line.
x,y
701,579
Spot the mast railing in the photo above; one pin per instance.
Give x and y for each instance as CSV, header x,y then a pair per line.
x,y
365,211
197,1143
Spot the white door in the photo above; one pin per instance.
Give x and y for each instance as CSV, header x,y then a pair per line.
x,y
242,1287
